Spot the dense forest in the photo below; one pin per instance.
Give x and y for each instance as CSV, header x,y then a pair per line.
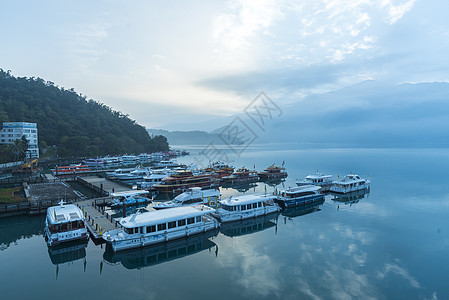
x,y
70,123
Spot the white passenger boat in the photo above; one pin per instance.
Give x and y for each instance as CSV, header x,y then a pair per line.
x,y
144,157
129,159
94,162
128,173
350,183
192,196
301,195
318,179
155,177
142,229
110,161
64,223
166,164
246,206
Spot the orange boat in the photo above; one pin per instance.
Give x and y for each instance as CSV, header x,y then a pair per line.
x,y
220,168
180,181
241,175
70,170
273,172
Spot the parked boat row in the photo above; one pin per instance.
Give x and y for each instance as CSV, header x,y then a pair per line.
x,y
349,183
128,159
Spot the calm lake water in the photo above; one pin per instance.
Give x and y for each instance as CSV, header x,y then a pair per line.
x,y
392,243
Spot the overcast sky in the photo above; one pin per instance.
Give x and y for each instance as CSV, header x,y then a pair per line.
x,y
175,64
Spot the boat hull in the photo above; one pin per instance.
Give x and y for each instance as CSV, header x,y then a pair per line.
x,y
54,239
346,190
152,239
241,215
292,202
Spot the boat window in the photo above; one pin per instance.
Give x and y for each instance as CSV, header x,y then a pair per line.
x,y
226,207
259,204
171,224
182,222
243,207
151,228
248,206
136,230
162,226
198,219
190,220
254,205
129,230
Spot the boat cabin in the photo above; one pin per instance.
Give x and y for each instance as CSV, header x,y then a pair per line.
x,y
63,218
164,220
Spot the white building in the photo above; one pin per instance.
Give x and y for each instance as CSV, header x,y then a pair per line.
x,y
12,131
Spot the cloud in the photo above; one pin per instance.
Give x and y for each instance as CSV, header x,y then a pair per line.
x,y
397,270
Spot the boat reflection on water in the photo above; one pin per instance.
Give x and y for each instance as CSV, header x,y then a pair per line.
x,y
297,211
240,187
248,226
68,252
350,198
149,256
274,182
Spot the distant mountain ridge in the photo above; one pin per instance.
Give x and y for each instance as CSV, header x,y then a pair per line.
x,y
196,137
367,114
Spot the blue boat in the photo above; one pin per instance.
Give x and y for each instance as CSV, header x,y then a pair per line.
x,y
297,196
130,198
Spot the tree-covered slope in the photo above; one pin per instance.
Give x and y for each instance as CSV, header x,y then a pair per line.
x,y
75,125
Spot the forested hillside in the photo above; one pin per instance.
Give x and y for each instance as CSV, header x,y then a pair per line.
x,y
75,125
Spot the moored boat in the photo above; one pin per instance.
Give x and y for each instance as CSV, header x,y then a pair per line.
x,y
192,196
350,183
273,172
241,175
155,177
129,198
181,180
220,168
94,162
246,206
142,229
301,195
64,223
318,179
70,170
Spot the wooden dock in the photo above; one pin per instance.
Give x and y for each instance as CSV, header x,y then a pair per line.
x,y
97,220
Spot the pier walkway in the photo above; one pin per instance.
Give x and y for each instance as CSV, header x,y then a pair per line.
x,y
97,220
102,185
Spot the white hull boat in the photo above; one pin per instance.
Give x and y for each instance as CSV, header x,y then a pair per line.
x,y
64,223
246,206
149,228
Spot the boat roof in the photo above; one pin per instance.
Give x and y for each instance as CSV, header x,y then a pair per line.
x,y
64,213
303,188
129,193
197,191
350,178
318,176
165,215
245,199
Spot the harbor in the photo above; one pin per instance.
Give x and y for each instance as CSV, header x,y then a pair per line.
x,y
286,239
